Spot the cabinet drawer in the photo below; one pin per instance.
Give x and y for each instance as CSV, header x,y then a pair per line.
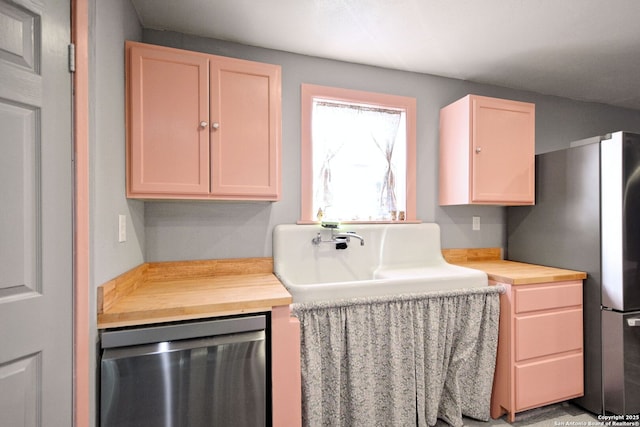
x,y
548,333
549,381
548,297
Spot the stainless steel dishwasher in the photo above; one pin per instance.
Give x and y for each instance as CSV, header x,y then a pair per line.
x,y
192,374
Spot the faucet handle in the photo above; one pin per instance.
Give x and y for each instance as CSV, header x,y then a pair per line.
x,y
316,240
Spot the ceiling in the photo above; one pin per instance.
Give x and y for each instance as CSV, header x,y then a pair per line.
x,y
581,49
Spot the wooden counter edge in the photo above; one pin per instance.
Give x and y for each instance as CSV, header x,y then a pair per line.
x,y
564,277
530,274
472,257
110,292
456,255
145,317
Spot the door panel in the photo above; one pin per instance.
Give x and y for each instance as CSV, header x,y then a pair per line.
x,y
245,103
547,333
16,27
631,223
541,383
503,151
548,297
35,214
621,362
20,242
168,102
19,385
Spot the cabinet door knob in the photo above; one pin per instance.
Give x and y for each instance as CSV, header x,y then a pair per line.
x,y
215,125
203,124
478,150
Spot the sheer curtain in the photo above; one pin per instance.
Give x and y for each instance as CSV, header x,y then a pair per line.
x,y
384,128
399,361
355,167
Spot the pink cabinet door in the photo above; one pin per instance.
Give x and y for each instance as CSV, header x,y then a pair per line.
x,y
245,132
548,381
503,144
554,296
547,333
168,151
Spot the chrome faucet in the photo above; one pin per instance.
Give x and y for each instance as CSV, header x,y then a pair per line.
x,y
340,239
347,235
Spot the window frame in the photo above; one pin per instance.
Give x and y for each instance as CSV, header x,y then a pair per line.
x,y
408,104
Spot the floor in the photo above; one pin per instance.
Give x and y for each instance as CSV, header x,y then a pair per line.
x,y
561,414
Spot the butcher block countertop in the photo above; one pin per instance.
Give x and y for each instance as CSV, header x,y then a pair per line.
x,y
172,291
510,272
182,290
519,273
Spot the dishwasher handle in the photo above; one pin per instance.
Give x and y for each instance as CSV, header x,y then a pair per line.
x,y
181,331
112,355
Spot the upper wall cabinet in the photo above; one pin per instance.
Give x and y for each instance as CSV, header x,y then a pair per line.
x,y
487,152
201,126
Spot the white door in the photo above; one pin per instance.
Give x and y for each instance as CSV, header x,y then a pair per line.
x,y
35,214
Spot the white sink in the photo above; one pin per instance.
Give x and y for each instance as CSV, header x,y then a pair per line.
x,y
395,259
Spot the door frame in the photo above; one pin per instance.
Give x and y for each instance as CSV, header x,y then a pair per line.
x,y
81,318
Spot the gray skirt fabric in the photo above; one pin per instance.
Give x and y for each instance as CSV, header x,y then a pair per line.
x,y
403,360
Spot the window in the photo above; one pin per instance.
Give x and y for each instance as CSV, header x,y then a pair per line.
x,y
358,155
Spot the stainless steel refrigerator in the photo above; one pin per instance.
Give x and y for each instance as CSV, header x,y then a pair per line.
x,y
587,218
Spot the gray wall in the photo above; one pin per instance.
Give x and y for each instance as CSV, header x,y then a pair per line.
x,y
225,230
160,231
111,22
200,230
116,21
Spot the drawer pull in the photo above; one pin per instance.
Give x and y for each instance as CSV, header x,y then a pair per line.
x,y
634,322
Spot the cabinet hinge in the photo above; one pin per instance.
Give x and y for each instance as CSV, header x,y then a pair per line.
x,y
72,58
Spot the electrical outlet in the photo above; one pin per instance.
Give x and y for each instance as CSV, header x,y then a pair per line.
x,y
122,228
476,223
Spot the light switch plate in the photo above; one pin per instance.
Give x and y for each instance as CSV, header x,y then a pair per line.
x,y
122,228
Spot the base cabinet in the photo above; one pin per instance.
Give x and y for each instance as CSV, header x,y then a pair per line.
x,y
285,368
540,347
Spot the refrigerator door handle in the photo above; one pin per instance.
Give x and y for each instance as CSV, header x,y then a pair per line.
x,y
634,321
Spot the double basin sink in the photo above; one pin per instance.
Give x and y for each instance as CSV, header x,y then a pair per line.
x,y
395,259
